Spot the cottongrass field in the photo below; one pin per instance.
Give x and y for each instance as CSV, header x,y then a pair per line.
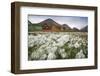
x,y
57,45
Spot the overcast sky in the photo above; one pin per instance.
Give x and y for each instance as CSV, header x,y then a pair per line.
x,y
72,21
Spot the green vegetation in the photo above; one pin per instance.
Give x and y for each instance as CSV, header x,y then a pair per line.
x,y
34,27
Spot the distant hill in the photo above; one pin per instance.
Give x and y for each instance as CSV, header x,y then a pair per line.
x,y
84,29
75,29
34,27
65,26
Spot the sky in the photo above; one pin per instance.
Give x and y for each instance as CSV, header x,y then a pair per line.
x,y
72,21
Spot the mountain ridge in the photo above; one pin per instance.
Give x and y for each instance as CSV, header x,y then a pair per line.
x,y
64,27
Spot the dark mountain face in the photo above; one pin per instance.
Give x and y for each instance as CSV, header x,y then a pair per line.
x,y
84,29
66,26
75,29
49,22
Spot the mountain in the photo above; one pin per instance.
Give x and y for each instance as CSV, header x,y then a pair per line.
x,y
84,29
75,29
34,27
50,22
65,26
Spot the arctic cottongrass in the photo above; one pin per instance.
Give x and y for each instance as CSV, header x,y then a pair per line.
x,y
51,56
57,45
80,55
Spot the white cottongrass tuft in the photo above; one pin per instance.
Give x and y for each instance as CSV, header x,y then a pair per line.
x,y
80,55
